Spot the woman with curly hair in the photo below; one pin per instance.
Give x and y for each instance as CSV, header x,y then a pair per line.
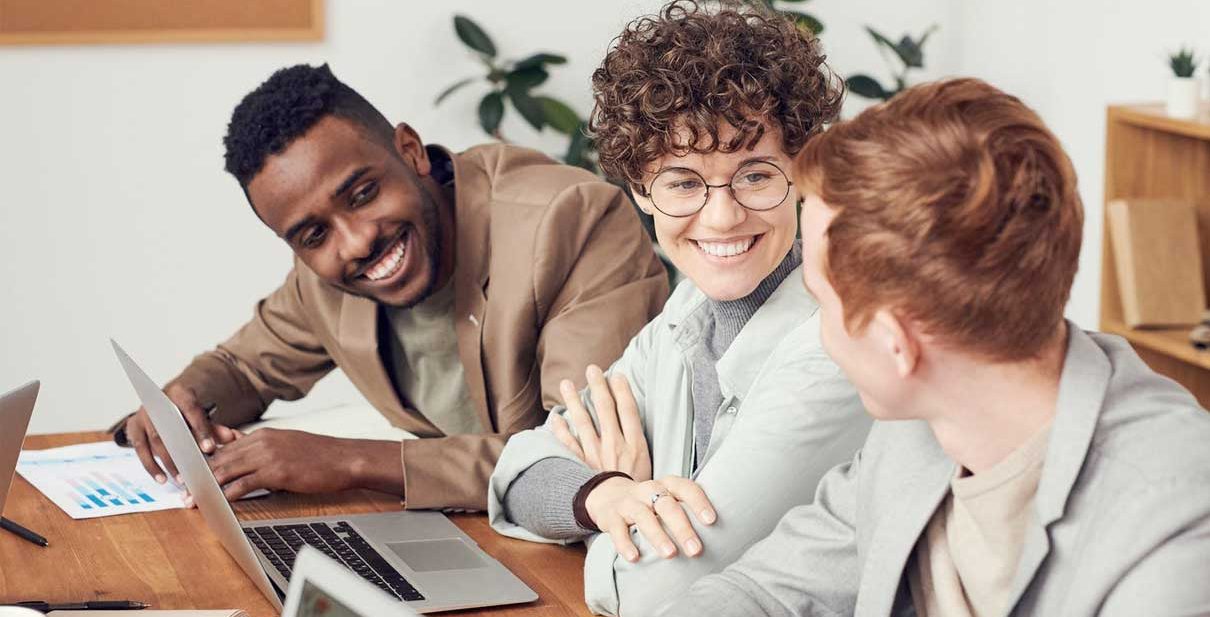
x,y
724,411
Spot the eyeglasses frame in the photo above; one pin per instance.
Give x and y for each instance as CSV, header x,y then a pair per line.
x,y
648,194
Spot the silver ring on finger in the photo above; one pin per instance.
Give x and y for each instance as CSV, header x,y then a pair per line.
x,y
658,496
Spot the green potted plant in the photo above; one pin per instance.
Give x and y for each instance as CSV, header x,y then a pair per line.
x,y
512,83
1183,86
909,55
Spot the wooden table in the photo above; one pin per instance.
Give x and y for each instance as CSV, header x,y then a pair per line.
x,y
171,560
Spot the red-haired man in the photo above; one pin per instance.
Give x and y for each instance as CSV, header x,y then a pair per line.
x,y
1019,465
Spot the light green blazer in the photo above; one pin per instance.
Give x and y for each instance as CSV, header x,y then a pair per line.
x,y
788,416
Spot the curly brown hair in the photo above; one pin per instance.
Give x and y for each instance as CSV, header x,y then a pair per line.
x,y
670,79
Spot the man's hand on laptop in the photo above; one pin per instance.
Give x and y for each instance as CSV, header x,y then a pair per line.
x,y
142,435
302,462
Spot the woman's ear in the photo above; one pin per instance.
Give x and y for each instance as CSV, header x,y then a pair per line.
x,y
641,199
898,340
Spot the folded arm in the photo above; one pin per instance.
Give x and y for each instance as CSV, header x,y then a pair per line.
x,y
805,421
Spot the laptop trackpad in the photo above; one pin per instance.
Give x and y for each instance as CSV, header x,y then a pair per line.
x,y
433,555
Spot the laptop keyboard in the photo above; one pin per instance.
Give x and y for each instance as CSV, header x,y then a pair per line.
x,y
281,543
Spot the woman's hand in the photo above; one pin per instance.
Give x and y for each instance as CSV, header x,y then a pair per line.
x,y
621,444
653,506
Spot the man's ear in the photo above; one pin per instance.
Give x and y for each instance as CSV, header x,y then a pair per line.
x,y
408,145
897,339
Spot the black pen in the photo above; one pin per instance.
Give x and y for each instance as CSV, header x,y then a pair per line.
x,y
8,525
95,605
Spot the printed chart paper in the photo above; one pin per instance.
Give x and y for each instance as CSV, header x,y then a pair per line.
x,y
96,479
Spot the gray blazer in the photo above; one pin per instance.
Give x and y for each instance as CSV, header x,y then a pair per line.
x,y
1121,520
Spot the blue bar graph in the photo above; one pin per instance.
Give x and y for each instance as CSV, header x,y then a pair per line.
x,y
116,484
116,491
123,483
97,479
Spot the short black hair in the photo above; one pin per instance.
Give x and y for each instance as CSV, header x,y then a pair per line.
x,y
284,108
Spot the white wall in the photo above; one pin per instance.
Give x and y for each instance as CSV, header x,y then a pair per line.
x,y
117,219
1069,60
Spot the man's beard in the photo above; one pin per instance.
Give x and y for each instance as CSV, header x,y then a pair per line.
x,y
432,246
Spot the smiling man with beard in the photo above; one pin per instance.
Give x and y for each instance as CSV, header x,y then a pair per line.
x,y
454,290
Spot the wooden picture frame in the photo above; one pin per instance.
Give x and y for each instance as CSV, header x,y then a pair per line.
x,y
72,22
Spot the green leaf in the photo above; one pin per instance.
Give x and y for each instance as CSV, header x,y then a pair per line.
x,y
491,112
805,21
925,36
540,60
453,88
578,149
912,50
866,86
525,79
909,51
473,36
1184,62
888,43
559,116
529,107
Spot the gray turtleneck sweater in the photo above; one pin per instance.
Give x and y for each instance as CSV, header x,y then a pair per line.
x,y
540,499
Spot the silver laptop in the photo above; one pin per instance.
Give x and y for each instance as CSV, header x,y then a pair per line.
x,y
420,558
322,587
15,409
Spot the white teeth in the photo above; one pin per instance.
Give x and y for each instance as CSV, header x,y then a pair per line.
x,y
726,249
389,263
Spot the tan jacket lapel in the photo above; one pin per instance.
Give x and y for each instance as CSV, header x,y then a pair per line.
x,y
472,254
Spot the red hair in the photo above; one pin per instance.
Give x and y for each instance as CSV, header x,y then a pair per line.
x,y
956,208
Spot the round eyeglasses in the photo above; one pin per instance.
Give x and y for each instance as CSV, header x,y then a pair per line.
x,y
681,192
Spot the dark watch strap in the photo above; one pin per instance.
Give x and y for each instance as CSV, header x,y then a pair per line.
x,y
119,431
578,507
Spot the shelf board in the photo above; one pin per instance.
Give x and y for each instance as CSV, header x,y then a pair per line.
x,y
1172,342
1152,116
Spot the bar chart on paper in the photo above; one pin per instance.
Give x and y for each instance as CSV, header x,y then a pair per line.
x,y
96,479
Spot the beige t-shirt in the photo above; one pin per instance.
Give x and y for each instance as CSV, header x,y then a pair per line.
x,y
427,369
968,555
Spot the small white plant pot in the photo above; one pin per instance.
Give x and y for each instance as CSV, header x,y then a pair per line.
x,y
1183,97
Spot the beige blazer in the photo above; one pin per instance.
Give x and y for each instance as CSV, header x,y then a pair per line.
x,y
553,272
1120,523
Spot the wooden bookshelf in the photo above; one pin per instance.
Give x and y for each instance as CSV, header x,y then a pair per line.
x,y
1150,155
